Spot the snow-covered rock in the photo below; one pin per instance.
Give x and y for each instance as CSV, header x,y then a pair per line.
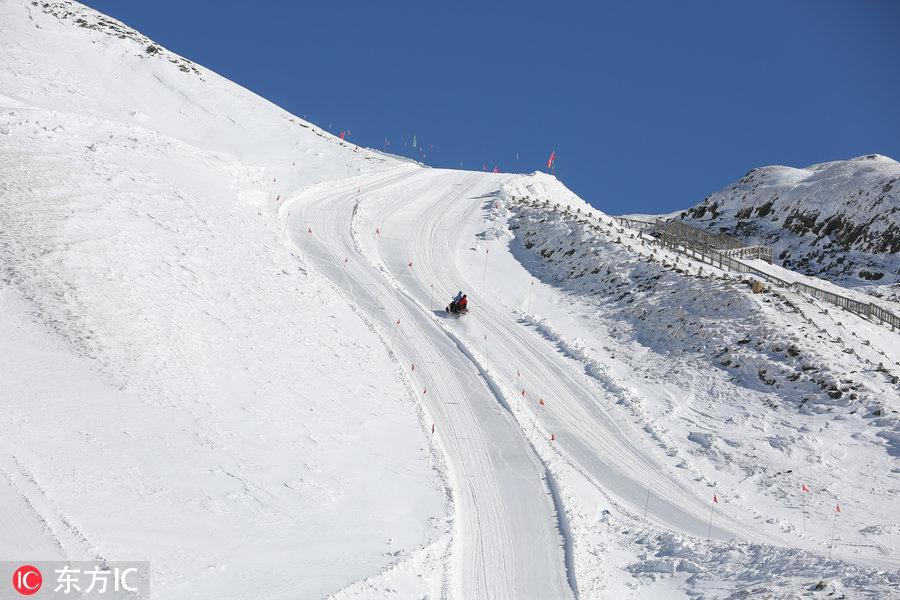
x,y
839,220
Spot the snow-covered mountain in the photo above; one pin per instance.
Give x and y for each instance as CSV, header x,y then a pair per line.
x,y
838,220
224,352
173,385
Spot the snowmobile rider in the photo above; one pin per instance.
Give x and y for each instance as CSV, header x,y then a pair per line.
x,y
458,303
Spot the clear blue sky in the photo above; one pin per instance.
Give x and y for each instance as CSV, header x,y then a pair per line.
x,y
649,105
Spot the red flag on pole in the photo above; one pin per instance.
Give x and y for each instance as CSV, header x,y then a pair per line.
x,y
715,499
342,134
837,508
805,489
551,159
541,402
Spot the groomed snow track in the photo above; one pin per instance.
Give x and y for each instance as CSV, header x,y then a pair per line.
x,y
507,541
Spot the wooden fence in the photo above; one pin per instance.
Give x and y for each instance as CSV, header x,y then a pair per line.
x,y
726,253
730,260
718,241
638,224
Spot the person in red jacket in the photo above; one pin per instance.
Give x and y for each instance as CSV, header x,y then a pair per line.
x,y
458,304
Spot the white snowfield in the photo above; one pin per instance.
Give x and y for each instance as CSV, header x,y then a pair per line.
x,y
225,351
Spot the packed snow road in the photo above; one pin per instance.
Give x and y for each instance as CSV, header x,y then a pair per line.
x,y
507,542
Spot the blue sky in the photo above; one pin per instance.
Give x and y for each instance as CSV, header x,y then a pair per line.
x,y
650,106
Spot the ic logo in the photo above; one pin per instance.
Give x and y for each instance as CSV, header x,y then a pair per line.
x,y
27,580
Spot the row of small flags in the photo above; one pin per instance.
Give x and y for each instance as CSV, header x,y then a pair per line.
x,y
715,498
344,134
804,489
415,144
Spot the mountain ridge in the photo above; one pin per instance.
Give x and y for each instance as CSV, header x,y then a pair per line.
x,y
839,219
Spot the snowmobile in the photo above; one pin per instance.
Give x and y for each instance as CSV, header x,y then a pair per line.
x,y
454,307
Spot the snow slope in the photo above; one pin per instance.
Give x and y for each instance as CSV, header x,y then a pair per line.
x,y
838,220
229,355
174,381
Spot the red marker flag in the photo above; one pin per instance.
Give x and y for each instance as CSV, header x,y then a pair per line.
x,y
805,489
342,134
715,499
541,402
551,159
837,508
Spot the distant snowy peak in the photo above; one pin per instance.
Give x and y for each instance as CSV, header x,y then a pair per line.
x,y
839,220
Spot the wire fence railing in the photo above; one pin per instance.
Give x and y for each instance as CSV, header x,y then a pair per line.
x,y
728,254
684,239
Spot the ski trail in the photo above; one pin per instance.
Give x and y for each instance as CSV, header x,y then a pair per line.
x,y
507,540
599,442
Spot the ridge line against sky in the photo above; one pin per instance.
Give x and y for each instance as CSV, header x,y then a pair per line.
x,y
650,107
